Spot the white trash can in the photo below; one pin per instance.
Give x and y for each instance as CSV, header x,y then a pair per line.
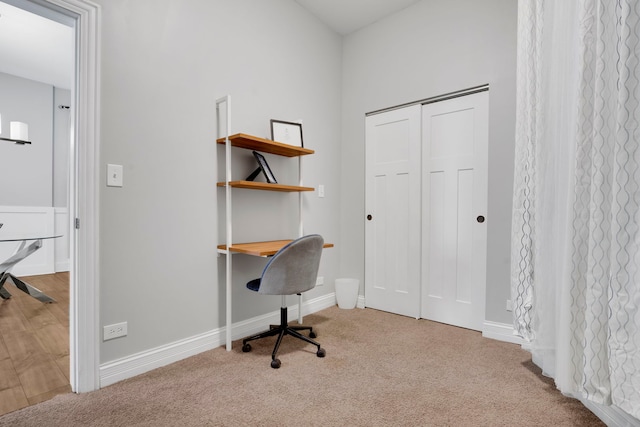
x,y
347,292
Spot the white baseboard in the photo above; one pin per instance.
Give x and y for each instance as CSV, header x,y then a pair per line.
x,y
611,415
317,304
145,361
128,367
500,332
258,324
63,266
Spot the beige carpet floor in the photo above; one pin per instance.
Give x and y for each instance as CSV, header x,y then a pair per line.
x,y
380,370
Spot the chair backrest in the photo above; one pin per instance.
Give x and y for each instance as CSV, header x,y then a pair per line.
x,y
294,268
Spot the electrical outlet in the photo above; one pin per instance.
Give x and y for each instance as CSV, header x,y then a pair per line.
x,y
114,331
509,305
320,281
321,190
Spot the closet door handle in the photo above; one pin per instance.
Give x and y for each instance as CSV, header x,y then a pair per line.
x,y
369,217
480,219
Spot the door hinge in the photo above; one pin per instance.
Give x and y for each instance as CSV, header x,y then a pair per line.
x,y
77,223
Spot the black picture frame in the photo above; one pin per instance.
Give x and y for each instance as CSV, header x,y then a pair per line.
x,y
263,167
287,132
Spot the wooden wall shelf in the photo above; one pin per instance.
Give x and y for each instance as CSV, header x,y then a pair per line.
x,y
252,185
261,249
250,142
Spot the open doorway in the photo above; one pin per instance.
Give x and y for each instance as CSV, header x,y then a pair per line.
x,y
36,79
83,20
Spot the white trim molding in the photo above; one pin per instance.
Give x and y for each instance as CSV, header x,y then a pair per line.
x,y
500,331
139,363
145,361
84,193
86,289
612,416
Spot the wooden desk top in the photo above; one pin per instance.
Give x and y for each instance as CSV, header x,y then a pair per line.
x,y
261,248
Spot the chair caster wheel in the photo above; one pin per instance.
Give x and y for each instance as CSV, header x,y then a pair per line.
x,y
246,348
312,334
275,363
321,352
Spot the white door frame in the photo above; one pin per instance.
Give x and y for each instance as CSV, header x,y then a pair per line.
x,y
83,194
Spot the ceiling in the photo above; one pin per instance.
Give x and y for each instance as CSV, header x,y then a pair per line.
x,y
347,16
41,49
35,48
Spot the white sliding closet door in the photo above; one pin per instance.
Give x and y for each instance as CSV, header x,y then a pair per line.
x,y
392,232
454,204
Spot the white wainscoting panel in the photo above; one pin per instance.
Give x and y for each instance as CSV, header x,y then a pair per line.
x,y
62,243
29,219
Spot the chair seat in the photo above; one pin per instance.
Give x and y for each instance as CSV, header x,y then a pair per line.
x,y
254,285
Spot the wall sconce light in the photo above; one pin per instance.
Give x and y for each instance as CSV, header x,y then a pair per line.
x,y
18,133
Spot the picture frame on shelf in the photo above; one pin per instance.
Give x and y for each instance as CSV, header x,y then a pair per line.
x,y
263,167
287,132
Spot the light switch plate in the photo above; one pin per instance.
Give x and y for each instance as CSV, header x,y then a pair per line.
x,y
114,175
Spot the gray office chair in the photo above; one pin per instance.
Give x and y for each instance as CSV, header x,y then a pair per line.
x,y
292,270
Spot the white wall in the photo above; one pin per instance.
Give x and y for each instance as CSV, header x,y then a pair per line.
x,y
164,63
26,172
432,48
36,174
61,145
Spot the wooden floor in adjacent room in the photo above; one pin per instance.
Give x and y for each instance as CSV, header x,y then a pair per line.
x,y
34,343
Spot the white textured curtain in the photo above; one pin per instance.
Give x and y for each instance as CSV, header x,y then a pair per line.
x,y
576,215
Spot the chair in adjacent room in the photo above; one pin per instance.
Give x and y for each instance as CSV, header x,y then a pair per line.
x,y
292,270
